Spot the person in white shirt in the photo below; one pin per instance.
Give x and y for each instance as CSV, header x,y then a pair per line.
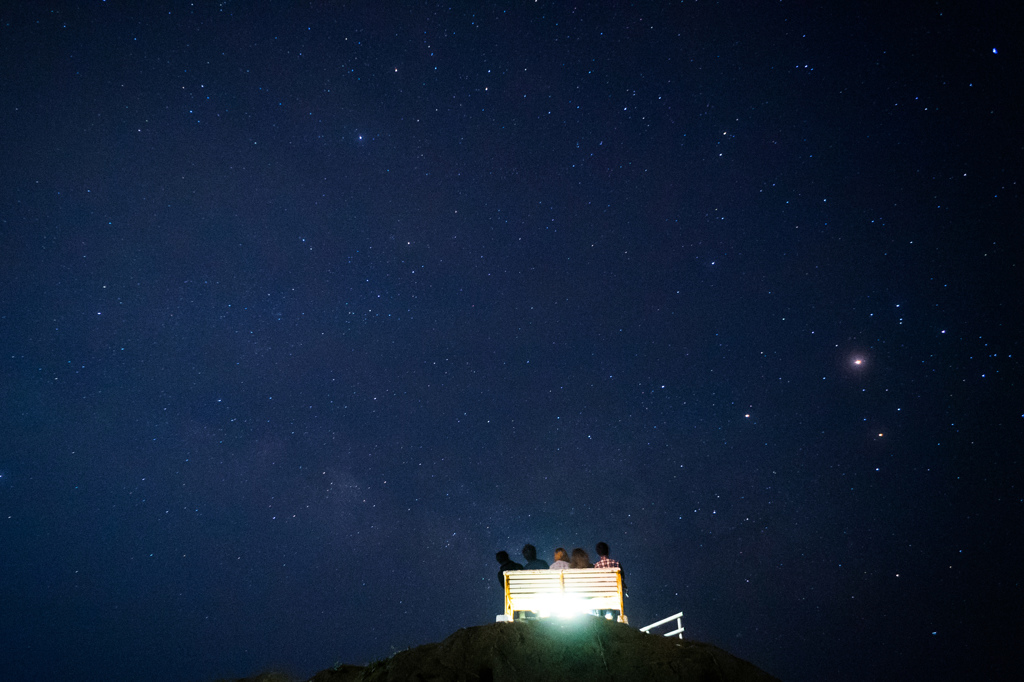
x,y
561,560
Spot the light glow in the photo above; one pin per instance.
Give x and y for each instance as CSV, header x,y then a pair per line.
x,y
563,606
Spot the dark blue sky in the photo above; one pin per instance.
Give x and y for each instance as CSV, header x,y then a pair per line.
x,y
307,309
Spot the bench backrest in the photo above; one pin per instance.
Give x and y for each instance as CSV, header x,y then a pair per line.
x,y
573,590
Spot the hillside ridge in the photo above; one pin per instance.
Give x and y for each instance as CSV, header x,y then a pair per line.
x,y
594,649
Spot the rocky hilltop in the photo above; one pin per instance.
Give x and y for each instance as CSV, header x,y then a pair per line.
x,y
591,649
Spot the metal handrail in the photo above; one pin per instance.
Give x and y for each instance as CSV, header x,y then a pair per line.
x,y
677,617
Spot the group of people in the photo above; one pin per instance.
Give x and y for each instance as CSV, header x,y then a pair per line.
x,y
562,560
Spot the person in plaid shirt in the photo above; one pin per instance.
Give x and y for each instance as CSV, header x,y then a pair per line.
x,y
605,562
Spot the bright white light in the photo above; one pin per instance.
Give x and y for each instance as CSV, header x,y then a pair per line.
x,y
563,606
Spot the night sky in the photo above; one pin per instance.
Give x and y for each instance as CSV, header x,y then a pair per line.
x,y
307,309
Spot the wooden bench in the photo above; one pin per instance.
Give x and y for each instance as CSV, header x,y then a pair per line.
x,y
574,590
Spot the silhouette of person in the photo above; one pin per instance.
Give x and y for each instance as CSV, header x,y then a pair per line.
x,y
532,562
506,565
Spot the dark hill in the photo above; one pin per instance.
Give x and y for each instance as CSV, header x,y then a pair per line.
x,y
591,649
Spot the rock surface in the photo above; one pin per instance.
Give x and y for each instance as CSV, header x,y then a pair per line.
x,y
591,649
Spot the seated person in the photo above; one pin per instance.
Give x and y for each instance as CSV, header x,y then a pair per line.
x,y
532,562
561,560
580,559
606,562
506,565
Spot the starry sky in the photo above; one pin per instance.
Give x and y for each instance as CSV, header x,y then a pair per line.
x,y
307,309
